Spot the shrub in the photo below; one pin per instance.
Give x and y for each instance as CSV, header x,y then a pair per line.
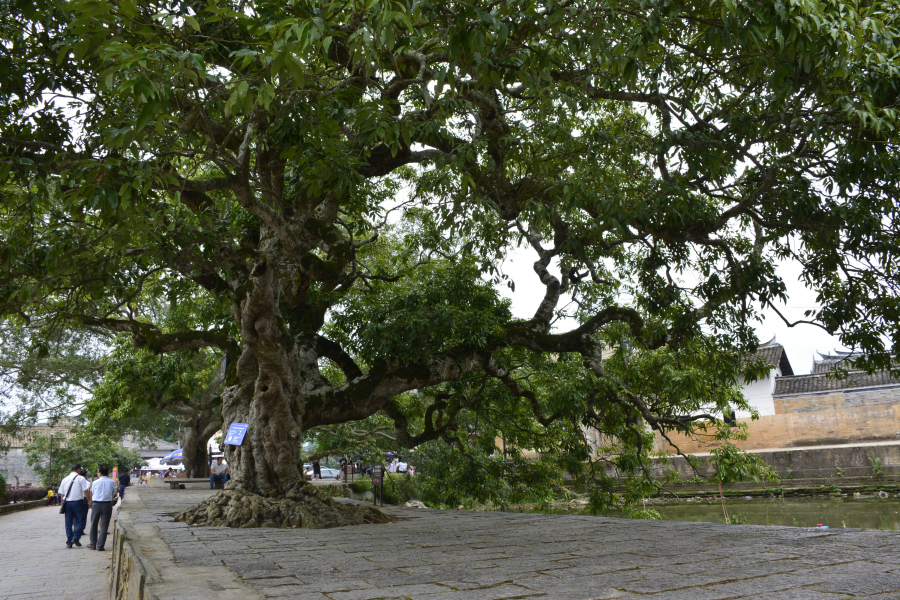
x,y
400,489
25,494
360,486
2,490
877,465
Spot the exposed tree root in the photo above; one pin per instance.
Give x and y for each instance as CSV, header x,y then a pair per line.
x,y
306,507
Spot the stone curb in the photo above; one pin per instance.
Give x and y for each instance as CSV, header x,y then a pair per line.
x,y
19,506
136,574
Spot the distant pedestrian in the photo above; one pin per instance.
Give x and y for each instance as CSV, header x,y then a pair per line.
x,y
317,470
218,472
124,482
76,493
103,492
84,509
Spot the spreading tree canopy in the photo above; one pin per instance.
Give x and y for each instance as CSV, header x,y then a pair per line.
x,y
342,180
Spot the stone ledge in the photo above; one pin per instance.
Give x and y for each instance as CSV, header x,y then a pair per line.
x,y
18,506
144,566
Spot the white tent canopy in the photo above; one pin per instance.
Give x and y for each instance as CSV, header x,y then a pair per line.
x,y
153,464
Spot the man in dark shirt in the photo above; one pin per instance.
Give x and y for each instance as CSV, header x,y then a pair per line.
x,y
124,482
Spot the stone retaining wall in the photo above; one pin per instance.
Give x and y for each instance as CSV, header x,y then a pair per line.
x,y
817,463
128,576
18,506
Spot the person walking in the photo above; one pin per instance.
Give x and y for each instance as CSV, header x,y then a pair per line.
x,y
218,472
317,469
103,491
84,508
76,493
124,482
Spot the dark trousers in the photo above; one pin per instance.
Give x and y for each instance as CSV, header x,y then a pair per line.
x,y
122,492
84,518
223,477
74,520
100,516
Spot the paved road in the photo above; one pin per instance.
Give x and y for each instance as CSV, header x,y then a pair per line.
x,y
36,565
459,555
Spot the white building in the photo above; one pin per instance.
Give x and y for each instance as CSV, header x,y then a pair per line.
x,y
760,393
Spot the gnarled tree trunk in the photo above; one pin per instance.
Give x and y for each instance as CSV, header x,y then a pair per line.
x,y
197,431
275,372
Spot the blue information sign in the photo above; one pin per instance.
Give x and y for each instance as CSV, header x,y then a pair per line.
x,y
236,434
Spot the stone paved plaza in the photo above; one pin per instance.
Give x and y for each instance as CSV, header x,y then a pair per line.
x,y
459,555
36,565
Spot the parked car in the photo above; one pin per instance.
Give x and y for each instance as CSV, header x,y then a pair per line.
x,y
326,472
329,472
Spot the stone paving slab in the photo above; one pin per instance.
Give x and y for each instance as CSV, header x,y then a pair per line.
x,y
36,565
459,555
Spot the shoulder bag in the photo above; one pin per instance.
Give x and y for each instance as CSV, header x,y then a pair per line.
x,y
62,506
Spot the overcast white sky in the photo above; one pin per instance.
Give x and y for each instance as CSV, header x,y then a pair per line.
x,y
800,342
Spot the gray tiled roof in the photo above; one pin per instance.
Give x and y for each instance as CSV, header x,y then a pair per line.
x,y
820,382
831,362
774,355
129,441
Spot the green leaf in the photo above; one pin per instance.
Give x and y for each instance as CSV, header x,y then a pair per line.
x,y
192,21
148,112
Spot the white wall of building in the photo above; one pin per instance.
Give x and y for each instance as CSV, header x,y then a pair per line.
x,y
759,395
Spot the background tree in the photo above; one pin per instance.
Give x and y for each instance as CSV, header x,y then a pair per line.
x,y
87,449
46,373
341,180
179,392
99,380
149,396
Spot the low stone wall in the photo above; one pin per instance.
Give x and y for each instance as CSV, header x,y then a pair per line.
x,y
18,506
814,463
128,576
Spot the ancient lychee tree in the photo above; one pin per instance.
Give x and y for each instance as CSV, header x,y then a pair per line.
x,y
344,180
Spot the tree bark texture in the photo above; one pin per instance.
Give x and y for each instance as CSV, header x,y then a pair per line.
x,y
268,397
274,373
199,421
194,452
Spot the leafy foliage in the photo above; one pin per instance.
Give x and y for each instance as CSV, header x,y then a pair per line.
x,y
88,450
45,373
731,465
25,494
327,191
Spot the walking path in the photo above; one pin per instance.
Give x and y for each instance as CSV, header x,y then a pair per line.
x,y
459,555
36,565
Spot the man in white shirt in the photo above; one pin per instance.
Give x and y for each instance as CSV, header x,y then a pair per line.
x,y
218,472
76,493
103,491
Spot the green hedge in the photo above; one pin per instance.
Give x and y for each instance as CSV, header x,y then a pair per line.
x,y
398,489
2,490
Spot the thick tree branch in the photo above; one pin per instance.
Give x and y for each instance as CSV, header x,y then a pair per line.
x,y
145,334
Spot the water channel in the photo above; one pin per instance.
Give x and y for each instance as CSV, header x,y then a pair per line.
x,y
809,511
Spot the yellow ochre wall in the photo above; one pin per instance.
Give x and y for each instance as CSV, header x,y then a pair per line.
x,y
840,418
